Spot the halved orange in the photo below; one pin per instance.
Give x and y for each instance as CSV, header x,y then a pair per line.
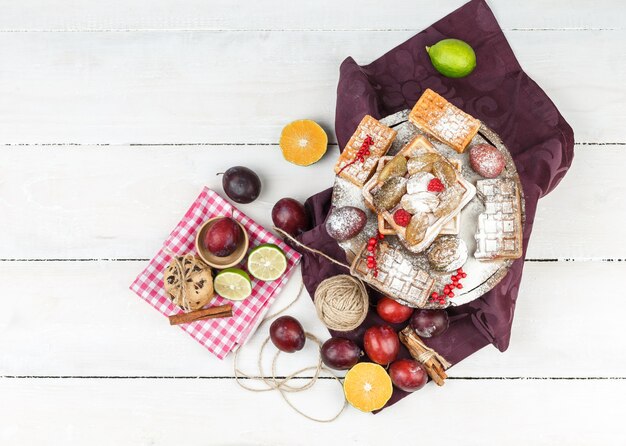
x,y
367,386
303,142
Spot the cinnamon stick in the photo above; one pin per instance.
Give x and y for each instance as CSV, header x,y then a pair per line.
x,y
433,362
206,313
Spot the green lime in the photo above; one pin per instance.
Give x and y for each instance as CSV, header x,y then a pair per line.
x,y
267,262
233,284
452,57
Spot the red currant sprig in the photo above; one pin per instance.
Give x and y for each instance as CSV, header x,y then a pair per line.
x,y
361,154
448,289
365,148
372,244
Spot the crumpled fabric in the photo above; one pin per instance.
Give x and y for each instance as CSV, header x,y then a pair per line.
x,y
500,94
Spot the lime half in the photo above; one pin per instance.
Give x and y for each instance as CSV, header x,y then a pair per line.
x,y
452,57
267,262
233,284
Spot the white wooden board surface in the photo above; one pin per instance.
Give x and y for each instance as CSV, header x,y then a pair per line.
x,y
100,328
201,412
114,114
279,15
228,86
136,195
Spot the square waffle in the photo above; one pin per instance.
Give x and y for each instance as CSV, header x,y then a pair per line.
x,y
499,233
397,277
418,145
352,169
450,125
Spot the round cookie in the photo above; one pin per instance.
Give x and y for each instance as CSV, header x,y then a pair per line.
x,y
486,160
197,288
447,253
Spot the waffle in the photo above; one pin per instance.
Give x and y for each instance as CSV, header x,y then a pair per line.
x,y
358,172
397,277
386,223
499,233
450,125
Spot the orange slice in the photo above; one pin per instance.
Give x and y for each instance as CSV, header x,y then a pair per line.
x,y
367,386
303,142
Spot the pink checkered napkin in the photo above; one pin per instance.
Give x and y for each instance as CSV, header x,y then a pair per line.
x,y
220,336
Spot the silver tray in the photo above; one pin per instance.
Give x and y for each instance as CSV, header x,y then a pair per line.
x,y
481,276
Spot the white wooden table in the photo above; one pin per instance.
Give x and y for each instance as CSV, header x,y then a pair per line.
x,y
114,114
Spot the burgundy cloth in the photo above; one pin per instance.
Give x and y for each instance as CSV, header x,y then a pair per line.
x,y
500,94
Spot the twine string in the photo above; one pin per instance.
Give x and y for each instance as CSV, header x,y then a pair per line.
x,y
429,353
426,356
341,302
281,311
281,385
180,270
313,250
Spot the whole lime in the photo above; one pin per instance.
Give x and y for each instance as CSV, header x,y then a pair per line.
x,y
452,57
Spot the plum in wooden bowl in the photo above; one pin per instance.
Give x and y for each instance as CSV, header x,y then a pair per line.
x,y
222,242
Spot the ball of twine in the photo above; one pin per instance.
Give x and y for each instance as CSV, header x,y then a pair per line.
x,y
341,302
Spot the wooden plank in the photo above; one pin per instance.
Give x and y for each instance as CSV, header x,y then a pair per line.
x,y
216,87
87,319
577,220
121,202
190,412
79,319
28,15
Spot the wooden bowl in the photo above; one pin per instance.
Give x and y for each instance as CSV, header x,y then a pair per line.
x,y
216,261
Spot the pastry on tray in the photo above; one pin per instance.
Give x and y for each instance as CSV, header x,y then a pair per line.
x,y
417,193
499,233
453,227
395,275
447,254
438,117
359,158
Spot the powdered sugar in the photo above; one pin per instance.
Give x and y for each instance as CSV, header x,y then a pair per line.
x,y
419,182
345,223
486,160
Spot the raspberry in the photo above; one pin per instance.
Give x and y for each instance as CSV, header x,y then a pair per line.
x,y
402,218
435,185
